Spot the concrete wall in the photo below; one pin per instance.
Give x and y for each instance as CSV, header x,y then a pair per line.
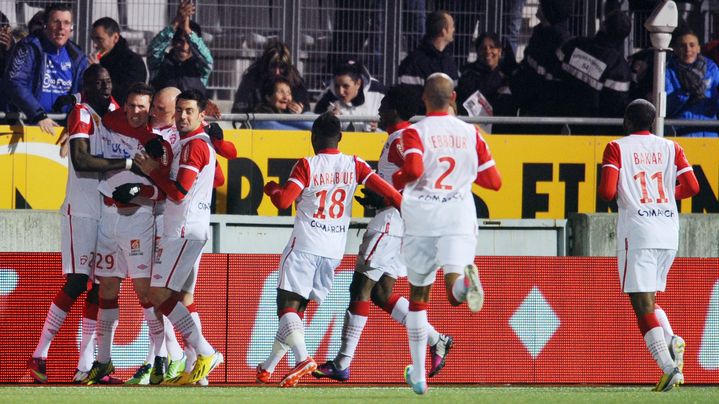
x,y
35,230
595,235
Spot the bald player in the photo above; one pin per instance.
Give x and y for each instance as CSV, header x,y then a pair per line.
x,y
443,156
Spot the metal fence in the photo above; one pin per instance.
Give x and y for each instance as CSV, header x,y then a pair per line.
x,y
321,33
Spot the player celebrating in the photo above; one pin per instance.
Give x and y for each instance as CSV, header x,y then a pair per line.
x,y
80,216
641,170
186,228
378,263
323,186
442,157
156,367
126,233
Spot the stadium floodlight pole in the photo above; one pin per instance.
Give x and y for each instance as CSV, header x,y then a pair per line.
x,y
660,24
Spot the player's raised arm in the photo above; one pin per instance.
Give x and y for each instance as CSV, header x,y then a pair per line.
x,y
283,196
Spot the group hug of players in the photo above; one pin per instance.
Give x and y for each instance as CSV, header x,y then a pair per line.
x,y
150,221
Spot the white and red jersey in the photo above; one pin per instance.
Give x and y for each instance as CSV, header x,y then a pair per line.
x,y
81,196
388,220
190,218
328,181
121,141
172,137
648,169
440,202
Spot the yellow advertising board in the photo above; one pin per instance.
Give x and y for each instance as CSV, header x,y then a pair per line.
x,y
543,176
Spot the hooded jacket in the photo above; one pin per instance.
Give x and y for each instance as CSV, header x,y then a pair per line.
x,y
365,103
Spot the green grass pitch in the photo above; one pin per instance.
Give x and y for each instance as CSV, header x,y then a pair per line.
x,y
438,394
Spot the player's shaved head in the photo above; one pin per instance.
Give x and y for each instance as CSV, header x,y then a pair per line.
x,y
438,92
162,112
168,94
639,115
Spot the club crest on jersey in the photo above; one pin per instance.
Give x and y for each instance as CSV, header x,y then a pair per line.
x,y
135,247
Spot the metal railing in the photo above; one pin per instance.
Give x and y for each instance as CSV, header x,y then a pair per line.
x,y
505,120
321,32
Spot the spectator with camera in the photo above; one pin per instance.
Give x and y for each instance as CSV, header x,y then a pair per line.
x,y
43,67
353,92
277,99
692,85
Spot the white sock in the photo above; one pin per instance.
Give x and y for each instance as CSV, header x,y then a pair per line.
x,y
191,358
182,321
107,320
399,314
417,333
351,333
150,357
87,344
157,332
279,350
53,321
459,289
173,347
664,322
291,331
432,335
400,310
658,348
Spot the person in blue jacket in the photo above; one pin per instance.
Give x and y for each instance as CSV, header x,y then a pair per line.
x,y
692,85
44,69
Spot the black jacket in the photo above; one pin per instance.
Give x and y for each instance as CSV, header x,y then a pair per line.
x,y
183,75
595,80
534,85
126,67
425,60
248,95
493,84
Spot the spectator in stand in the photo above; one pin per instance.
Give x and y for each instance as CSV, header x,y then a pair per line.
x,y
434,53
641,65
535,86
43,67
596,75
277,99
189,62
6,41
276,61
692,85
353,92
486,76
125,66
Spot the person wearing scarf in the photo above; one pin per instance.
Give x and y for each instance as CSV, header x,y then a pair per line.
x,y
692,82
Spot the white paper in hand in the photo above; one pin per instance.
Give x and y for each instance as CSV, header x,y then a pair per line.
x,y
477,105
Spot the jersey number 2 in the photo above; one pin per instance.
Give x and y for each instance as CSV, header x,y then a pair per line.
x,y
337,205
438,184
659,178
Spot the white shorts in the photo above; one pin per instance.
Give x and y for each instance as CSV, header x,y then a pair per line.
x,y
308,275
177,263
424,255
78,241
644,270
130,235
379,255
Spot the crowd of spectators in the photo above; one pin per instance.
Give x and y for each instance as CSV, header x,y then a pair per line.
x,y
559,75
